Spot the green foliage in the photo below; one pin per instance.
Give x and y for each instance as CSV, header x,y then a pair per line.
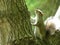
x,y
47,6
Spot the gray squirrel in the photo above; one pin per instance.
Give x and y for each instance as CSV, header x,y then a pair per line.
x,y
52,23
36,22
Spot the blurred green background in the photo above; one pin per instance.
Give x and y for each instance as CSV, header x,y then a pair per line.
x,y
48,7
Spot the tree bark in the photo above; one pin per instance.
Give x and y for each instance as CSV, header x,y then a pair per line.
x,y
15,26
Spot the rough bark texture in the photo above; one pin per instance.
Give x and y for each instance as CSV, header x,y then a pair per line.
x,y
15,27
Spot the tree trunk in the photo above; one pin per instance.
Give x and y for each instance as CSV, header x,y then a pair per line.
x,y
15,27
